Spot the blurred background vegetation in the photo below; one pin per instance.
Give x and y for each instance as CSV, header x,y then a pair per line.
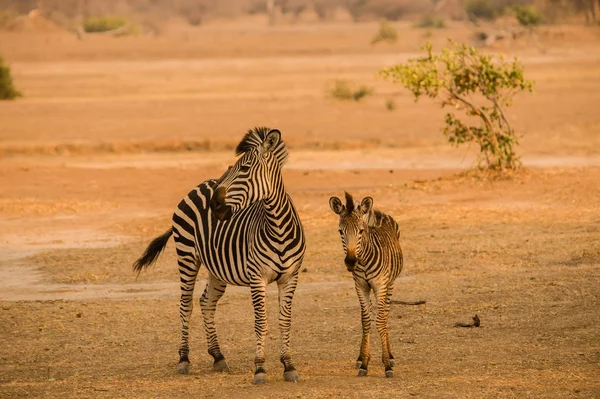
x,y
142,16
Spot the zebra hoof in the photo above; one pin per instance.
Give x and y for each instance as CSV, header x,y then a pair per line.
x,y
221,366
260,378
362,372
183,367
389,373
291,376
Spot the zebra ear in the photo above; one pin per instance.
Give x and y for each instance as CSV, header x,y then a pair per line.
x,y
336,205
273,138
366,205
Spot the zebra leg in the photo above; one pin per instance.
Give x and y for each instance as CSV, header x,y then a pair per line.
x,y
286,294
383,310
188,270
214,290
363,291
258,291
390,290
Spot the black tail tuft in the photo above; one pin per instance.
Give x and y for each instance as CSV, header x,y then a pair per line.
x,y
151,254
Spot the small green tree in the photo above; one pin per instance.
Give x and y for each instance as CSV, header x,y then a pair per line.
x,y
461,76
7,90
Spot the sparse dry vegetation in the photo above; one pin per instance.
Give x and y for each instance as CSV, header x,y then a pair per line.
x,y
344,90
117,25
431,22
7,89
386,33
527,15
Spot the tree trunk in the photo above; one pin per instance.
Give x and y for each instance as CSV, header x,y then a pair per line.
x,y
271,11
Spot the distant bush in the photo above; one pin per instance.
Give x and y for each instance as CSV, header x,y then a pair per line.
x,y
103,24
392,10
342,90
390,104
431,22
386,33
527,15
7,18
98,24
481,9
7,90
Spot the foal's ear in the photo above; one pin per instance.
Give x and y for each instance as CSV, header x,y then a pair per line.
x,y
336,205
366,205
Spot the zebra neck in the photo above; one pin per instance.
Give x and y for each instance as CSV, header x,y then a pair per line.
x,y
366,250
277,208
276,200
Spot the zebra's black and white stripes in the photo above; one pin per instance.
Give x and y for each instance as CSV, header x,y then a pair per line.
x,y
245,230
371,241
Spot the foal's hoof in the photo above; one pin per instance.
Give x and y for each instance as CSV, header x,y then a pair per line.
x,y
183,367
260,378
362,372
389,373
291,376
221,365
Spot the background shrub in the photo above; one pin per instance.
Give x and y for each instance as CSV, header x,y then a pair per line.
x,y
527,15
7,90
103,23
431,22
342,90
386,33
480,9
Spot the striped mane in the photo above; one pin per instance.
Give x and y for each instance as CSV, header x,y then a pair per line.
x,y
375,218
255,137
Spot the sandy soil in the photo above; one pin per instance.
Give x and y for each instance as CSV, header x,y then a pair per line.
x,y
112,133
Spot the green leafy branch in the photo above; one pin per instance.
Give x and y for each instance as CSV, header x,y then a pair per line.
x,y
459,75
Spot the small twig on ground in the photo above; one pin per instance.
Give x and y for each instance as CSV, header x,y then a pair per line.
x,y
397,302
476,323
96,389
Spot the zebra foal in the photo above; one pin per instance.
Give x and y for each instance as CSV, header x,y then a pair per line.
x,y
371,241
244,229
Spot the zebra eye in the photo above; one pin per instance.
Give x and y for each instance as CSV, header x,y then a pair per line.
x,y
361,230
244,168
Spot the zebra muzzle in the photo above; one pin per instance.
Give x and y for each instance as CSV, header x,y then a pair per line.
x,y
217,204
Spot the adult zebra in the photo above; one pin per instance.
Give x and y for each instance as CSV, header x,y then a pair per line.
x,y
245,230
371,241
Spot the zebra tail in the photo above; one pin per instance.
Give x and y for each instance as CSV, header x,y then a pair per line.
x,y
151,253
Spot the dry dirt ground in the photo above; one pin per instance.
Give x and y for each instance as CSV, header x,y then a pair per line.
x,y
112,133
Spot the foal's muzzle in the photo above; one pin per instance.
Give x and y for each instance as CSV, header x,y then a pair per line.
x,y
350,262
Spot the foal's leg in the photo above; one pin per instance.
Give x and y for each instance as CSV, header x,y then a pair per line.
x,y
258,291
286,294
363,291
383,310
390,290
214,290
